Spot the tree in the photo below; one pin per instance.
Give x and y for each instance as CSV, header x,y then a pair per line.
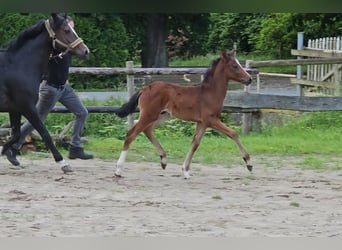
x,y
225,29
154,52
278,34
155,37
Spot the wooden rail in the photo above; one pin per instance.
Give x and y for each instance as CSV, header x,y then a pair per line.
x,y
143,71
245,102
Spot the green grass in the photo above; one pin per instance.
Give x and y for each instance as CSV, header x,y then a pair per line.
x,y
316,137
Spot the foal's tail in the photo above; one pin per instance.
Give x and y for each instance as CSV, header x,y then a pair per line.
x,y
129,107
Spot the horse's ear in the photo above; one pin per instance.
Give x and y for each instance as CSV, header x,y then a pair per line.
x,y
54,17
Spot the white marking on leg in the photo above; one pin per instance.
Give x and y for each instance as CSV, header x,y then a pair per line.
x,y
163,160
186,174
66,167
120,163
62,163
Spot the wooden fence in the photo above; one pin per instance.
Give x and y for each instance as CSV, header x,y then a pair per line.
x,y
321,79
242,102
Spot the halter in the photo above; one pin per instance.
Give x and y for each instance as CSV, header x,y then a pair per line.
x,y
55,40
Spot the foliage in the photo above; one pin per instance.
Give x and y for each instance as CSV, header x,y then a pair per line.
x,y
12,24
104,34
115,38
228,28
278,34
188,34
107,39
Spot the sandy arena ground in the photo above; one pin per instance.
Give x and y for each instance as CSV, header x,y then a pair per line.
x,y
280,198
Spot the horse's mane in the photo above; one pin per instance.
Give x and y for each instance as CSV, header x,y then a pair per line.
x,y
25,35
210,70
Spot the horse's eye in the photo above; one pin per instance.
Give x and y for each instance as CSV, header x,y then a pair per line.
x,y
67,31
235,66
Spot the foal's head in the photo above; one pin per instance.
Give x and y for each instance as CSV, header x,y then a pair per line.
x,y
233,69
65,38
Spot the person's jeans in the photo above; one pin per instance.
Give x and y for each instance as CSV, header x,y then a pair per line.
x,y
48,97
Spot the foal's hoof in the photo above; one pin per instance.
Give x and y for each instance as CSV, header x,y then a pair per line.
x,y
186,174
117,173
163,165
67,169
250,168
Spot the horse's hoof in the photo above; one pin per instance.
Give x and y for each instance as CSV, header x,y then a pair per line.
x,y
67,169
163,165
250,168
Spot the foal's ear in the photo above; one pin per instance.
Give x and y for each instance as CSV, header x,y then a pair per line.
x,y
231,52
224,55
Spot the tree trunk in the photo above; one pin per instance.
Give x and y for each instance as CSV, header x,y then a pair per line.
x,y
154,53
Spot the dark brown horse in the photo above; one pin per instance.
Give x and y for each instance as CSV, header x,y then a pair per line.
x,y
22,64
201,104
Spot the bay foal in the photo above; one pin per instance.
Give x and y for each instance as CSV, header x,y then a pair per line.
x,y
200,103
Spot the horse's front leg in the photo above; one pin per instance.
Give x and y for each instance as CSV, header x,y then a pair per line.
x,y
33,117
200,130
220,126
15,126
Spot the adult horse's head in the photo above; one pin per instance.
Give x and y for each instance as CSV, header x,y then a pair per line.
x,y
64,37
233,69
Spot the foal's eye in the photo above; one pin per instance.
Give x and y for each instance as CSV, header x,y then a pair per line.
x,y
235,66
67,31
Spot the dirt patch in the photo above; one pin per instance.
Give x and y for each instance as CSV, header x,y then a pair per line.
x,y
278,199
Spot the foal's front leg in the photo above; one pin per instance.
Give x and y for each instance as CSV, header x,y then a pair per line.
x,y
220,126
200,130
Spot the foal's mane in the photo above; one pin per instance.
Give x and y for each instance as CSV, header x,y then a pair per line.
x,y
210,71
24,36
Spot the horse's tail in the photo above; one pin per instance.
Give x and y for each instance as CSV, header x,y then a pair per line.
x,y
129,107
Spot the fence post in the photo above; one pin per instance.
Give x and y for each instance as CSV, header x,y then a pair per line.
x,y
300,45
130,89
246,117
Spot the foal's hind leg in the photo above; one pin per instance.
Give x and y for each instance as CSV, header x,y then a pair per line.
x,y
149,134
218,125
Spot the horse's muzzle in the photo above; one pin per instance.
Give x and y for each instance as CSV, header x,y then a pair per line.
x,y
84,55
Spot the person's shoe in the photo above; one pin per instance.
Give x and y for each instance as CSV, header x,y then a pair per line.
x,y
77,152
11,155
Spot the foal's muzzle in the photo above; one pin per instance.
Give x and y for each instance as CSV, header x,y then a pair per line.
x,y
248,81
